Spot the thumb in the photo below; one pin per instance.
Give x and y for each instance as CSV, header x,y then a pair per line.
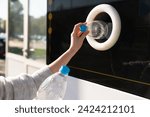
x,y
84,35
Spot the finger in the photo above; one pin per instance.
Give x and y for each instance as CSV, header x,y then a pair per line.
x,y
84,34
77,29
79,33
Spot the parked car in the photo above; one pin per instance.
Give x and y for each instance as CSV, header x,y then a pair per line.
x,y
2,45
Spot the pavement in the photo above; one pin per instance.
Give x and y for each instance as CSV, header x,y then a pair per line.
x,y
2,67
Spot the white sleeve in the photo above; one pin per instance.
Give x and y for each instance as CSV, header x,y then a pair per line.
x,y
24,86
40,75
6,89
2,90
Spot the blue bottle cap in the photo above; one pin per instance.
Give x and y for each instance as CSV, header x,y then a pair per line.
x,y
64,70
83,28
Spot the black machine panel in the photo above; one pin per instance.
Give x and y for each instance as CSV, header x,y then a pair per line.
x,y
126,66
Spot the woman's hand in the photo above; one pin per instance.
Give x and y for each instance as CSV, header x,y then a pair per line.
x,y
77,37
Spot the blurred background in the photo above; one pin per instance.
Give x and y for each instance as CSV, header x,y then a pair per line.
x,y
22,35
3,16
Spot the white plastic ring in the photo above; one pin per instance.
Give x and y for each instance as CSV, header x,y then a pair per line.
x,y
116,26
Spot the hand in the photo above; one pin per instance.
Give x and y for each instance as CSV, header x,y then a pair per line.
x,y
77,37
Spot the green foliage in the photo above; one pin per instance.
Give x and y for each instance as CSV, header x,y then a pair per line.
x,y
38,53
15,18
37,26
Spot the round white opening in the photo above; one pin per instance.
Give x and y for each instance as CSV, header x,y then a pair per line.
x,y
105,10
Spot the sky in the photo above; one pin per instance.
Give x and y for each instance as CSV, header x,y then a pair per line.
x,y
35,10
38,8
3,11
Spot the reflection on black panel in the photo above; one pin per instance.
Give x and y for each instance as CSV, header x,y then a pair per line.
x,y
126,66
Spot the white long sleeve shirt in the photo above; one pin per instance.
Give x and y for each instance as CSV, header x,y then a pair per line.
x,y
24,86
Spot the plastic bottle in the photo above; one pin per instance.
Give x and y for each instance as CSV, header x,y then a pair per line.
x,y
54,87
97,29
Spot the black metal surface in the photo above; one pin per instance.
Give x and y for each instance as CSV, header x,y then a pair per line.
x,y
126,66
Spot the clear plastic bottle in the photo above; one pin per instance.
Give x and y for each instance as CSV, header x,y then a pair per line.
x,y
54,87
97,29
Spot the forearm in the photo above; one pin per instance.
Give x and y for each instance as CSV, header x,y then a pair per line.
x,y
77,38
62,60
